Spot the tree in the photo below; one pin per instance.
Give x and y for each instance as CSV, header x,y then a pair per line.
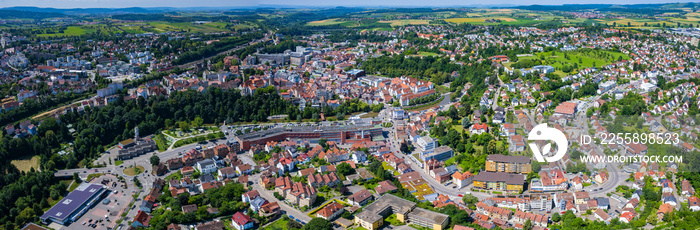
x,y
198,122
318,224
155,160
470,199
404,147
184,126
322,142
527,225
556,217
76,177
344,169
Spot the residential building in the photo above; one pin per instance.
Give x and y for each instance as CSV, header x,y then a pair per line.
x,y
499,181
509,164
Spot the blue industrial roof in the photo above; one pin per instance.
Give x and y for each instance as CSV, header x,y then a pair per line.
x,y
75,199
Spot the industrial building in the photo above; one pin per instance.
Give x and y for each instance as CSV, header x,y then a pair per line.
x,y
75,204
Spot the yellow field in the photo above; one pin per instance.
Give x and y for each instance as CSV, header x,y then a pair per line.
x,y
324,22
473,20
406,22
25,165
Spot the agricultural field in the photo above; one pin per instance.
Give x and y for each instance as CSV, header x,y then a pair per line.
x,y
333,21
71,31
479,19
159,27
406,22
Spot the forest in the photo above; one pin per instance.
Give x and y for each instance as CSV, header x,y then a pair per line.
x,y
196,53
436,70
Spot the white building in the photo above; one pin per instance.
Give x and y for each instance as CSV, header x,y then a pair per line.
x,y
426,143
206,166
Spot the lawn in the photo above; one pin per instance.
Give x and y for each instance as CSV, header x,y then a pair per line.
x,y
73,186
117,163
391,219
280,224
133,171
25,165
422,53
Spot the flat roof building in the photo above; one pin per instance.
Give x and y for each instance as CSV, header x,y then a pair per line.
x,y
499,181
372,215
75,204
441,153
339,134
428,219
509,164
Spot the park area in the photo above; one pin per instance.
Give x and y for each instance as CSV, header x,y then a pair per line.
x,y
569,62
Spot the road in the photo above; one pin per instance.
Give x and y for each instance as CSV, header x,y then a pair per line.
x,y
289,210
437,187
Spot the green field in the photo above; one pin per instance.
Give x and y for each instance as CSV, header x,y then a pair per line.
x,y
584,58
70,31
422,53
280,224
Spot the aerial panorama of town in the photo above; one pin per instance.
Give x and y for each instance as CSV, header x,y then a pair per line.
x,y
270,117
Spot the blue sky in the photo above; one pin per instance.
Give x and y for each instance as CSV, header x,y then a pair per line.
x,y
248,3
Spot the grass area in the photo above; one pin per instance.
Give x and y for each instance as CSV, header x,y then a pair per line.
x,y
73,186
132,29
92,176
133,171
391,219
162,142
117,163
25,165
69,31
582,58
442,89
280,224
423,53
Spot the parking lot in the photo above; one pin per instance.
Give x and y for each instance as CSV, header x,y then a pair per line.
x,y
109,209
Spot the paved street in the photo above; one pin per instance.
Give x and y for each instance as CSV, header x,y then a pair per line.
x,y
268,195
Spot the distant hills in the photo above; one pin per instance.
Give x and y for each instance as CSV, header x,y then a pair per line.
x,y
27,12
